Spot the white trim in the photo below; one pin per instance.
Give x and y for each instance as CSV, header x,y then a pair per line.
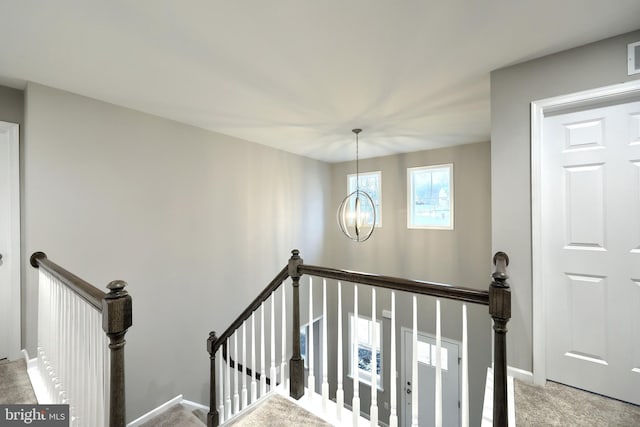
x,y
11,255
520,374
156,411
37,382
538,110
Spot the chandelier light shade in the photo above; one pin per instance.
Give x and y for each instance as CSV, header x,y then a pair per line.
x,y
357,212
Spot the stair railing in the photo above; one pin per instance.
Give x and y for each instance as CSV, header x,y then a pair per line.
x,y
498,298
80,353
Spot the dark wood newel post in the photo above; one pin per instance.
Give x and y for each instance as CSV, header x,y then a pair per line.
x,y
296,364
213,419
116,320
500,310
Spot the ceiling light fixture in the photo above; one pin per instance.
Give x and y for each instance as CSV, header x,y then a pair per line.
x,y
357,212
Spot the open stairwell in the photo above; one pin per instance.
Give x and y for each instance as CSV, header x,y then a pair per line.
x,y
80,359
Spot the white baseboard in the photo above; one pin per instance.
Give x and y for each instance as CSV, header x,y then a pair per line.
x,y
146,417
520,374
37,381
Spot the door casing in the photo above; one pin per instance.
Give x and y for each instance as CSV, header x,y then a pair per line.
x,y
9,133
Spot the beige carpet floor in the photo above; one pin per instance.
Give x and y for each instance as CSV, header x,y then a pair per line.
x,y
15,387
176,416
277,411
560,405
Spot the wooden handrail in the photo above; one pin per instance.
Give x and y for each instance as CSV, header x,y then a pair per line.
x,y
395,283
85,290
498,298
262,297
116,308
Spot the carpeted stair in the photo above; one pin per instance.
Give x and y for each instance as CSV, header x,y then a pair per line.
x,y
177,416
275,411
15,387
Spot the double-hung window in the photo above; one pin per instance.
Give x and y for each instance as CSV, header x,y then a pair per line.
x,y
361,336
430,197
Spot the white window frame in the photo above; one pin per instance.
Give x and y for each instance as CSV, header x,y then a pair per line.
x,y
364,376
378,202
304,332
411,195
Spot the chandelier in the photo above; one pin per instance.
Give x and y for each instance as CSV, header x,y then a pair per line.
x,y
357,212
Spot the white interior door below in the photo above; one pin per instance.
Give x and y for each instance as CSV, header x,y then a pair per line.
x,y
427,381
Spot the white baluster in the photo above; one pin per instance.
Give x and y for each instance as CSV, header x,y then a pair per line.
x,y
221,412
254,385
414,366
355,403
311,380
263,369
373,410
438,421
244,365
272,372
339,391
236,385
393,416
227,382
325,382
464,404
283,364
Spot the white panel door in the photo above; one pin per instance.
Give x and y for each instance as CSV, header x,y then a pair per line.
x,y
427,380
9,242
591,248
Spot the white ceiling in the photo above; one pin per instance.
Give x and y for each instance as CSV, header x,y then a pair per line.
x,y
299,75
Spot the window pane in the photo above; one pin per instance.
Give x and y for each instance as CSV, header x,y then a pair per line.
x,y
431,197
362,353
303,344
364,359
443,357
423,353
363,331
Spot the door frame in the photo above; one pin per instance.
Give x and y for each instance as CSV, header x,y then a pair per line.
x,y
12,132
403,380
607,94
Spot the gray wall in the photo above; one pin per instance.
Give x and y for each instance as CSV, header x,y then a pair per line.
x,y
461,257
512,90
11,105
196,222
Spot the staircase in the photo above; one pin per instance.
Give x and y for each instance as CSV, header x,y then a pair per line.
x,y
239,370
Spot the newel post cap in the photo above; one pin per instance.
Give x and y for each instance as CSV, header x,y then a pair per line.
x,y
294,262
211,342
116,308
